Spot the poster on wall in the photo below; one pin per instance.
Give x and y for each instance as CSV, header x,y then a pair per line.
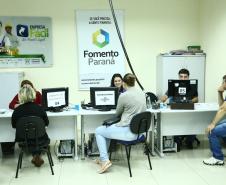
x,y
100,54
25,42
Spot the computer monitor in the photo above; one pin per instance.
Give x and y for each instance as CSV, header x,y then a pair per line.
x,y
55,99
182,90
104,98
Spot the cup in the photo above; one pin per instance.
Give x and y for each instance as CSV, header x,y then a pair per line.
x,y
163,105
76,107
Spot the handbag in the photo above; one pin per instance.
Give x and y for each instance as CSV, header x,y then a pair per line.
x,y
111,121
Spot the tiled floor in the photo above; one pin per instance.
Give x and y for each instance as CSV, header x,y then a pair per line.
x,y
184,167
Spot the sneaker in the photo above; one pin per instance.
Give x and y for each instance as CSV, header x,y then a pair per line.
x,y
213,161
105,166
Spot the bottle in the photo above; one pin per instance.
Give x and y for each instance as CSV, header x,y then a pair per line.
x,y
148,102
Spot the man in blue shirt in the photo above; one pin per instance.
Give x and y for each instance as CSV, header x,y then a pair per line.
x,y
217,129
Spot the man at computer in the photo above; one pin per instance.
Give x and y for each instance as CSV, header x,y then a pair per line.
x,y
183,74
217,129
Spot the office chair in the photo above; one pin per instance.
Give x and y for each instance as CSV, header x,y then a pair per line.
x,y
139,125
152,96
28,130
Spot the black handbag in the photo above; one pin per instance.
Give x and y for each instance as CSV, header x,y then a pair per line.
x,y
111,121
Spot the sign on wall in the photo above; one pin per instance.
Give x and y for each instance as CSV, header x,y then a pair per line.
x,y
100,54
25,42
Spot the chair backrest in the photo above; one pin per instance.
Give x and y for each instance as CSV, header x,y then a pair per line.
x,y
153,98
140,123
30,127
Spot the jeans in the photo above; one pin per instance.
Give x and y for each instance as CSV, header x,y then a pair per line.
x,y
214,139
105,134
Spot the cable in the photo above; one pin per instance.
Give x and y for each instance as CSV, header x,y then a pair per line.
x,y
122,44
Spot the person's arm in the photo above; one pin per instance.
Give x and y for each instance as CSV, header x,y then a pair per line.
x,y
44,116
195,100
220,95
163,98
13,120
220,114
14,103
38,99
120,107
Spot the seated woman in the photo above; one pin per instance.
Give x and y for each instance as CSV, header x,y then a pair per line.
x,y
8,147
38,97
27,107
116,81
130,103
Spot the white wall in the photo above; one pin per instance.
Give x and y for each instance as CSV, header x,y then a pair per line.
x,y
213,41
151,27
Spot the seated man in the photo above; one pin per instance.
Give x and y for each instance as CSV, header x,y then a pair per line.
x,y
183,74
217,129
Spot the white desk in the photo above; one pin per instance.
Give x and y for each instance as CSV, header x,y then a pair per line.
x,y
62,126
90,120
182,122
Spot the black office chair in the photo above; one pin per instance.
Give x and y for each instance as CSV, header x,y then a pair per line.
x,y
139,125
28,130
152,96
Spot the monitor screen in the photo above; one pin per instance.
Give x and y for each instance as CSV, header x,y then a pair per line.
x,y
54,99
104,97
182,89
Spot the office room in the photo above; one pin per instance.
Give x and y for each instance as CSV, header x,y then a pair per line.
x,y
149,27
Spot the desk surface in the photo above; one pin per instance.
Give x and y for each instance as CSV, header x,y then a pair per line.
x,y
94,112
199,107
70,112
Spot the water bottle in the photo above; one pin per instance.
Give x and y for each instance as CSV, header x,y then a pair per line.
x,y
148,102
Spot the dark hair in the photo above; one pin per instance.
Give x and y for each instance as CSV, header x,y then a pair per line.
x,y
224,78
129,79
0,23
113,78
112,81
26,82
184,71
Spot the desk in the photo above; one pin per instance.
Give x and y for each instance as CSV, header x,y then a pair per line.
x,y
90,120
62,126
182,122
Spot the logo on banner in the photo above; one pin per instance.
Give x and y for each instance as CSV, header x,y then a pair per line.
x,y
22,30
32,32
100,38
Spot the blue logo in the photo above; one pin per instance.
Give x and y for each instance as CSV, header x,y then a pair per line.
x,y
99,43
22,30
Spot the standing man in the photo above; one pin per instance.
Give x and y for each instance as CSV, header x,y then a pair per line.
x,y
3,40
13,40
217,129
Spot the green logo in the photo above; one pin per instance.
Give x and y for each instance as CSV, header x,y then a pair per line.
x,y
97,35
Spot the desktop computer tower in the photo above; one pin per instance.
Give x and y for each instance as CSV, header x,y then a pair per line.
x,y
92,149
66,148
